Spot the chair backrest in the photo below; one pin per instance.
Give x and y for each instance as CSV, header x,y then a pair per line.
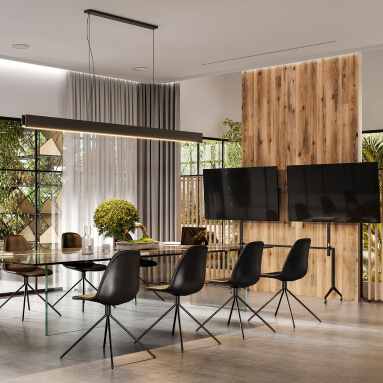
x,y
71,240
247,269
188,233
15,243
120,281
296,263
189,275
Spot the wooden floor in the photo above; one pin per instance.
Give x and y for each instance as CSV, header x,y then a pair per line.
x,y
346,347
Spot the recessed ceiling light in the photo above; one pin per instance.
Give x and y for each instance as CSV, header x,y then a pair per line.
x,y
140,68
20,46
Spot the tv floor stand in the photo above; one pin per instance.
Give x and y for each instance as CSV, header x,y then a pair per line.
x,y
331,253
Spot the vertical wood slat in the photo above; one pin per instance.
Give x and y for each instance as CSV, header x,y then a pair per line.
x,y
369,262
192,204
183,202
187,202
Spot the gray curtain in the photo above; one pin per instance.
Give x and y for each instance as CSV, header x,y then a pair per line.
x,y
158,162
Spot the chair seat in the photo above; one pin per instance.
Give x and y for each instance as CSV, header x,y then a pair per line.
x,y
87,297
147,263
31,271
220,281
85,266
158,288
274,275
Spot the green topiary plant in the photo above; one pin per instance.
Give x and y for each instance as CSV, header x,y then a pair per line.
x,y
116,218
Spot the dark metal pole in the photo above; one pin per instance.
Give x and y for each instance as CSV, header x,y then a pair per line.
x,y
36,198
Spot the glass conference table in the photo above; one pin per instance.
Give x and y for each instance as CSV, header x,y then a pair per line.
x,y
48,257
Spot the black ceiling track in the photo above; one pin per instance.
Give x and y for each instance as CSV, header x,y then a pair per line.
x,y
121,19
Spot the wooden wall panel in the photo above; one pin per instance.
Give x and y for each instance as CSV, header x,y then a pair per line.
x,y
304,113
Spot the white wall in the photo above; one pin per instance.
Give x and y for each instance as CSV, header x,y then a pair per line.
x,y
31,89
372,90
207,101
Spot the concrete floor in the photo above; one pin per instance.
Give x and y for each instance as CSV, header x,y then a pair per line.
x,y
346,347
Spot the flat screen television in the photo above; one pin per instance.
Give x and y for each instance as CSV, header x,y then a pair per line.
x,y
334,192
242,194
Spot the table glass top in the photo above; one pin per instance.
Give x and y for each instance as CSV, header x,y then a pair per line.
x,y
105,253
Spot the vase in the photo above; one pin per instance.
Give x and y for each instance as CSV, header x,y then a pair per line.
x,y
87,241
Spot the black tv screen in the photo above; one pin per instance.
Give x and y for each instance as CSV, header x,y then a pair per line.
x,y
334,192
242,194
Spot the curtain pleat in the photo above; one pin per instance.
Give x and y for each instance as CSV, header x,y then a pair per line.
x,y
96,167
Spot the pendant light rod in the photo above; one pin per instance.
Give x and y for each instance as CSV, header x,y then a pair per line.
x,y
121,19
90,127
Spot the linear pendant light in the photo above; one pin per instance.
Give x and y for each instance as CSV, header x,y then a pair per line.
x,y
34,122
29,121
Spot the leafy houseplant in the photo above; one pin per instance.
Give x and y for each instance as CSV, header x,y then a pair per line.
x,y
116,218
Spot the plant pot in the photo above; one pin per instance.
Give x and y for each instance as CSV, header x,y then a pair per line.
x,y
137,245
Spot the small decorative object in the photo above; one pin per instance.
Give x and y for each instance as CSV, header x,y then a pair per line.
x,y
87,241
118,218
200,238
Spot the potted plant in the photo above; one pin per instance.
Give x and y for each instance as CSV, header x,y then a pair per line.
x,y
117,218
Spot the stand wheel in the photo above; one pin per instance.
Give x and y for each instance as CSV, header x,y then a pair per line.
x,y
325,302
341,299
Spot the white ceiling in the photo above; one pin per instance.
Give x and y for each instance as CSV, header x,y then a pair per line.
x,y
191,33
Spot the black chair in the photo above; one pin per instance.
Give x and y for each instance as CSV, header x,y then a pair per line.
x,y
188,278
295,268
119,285
246,273
72,241
19,243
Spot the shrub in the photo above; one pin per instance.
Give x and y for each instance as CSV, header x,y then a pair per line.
x,y
116,218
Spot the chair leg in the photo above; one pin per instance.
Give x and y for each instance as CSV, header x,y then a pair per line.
x,y
211,316
83,290
200,325
231,312
110,343
132,336
179,325
279,303
266,304
12,295
304,305
29,306
239,315
25,298
105,333
67,292
43,299
83,336
158,320
291,313
86,280
256,314
155,292
174,321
